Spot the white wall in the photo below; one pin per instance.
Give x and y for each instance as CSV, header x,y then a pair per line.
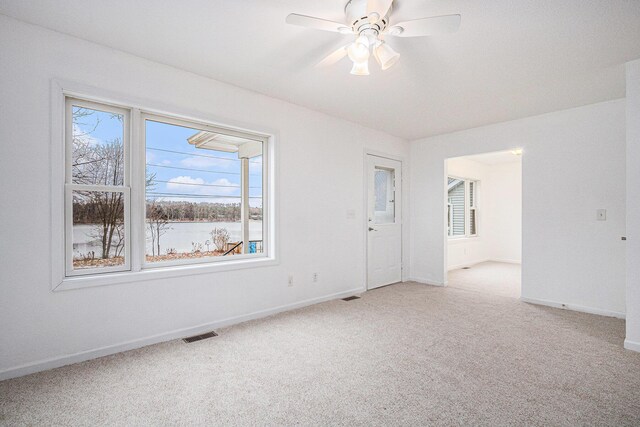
x,y
499,213
633,206
503,220
320,162
573,164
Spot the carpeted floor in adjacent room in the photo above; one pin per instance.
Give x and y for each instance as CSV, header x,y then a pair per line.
x,y
406,354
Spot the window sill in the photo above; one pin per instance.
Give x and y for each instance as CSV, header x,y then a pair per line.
x,y
104,279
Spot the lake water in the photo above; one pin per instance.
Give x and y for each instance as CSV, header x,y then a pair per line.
x,y
178,236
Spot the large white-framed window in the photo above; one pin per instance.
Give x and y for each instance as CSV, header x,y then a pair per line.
x,y
462,207
147,194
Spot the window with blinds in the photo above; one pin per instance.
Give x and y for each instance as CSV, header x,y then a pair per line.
x,y
462,205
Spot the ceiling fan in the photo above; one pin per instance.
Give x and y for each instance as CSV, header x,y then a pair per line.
x,y
369,21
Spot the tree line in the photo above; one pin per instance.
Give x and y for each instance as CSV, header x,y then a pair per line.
x,y
91,210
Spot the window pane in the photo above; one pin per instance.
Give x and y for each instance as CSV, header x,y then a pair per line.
x,y
255,201
98,229
194,193
472,222
456,209
97,147
384,191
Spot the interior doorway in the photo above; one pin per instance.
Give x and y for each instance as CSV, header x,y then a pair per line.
x,y
384,221
484,223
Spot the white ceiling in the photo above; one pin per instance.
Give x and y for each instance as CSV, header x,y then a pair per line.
x,y
510,59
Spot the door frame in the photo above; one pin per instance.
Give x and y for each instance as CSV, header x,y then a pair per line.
x,y
404,223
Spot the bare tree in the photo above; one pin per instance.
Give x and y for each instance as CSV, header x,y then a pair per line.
x,y
158,223
99,163
157,218
220,237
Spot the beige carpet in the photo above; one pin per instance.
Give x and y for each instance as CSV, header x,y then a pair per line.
x,y
406,354
497,278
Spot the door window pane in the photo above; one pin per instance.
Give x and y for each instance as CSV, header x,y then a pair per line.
x,y
98,234
97,156
384,192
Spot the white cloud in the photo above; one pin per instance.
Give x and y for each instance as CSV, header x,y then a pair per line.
x,y
228,186
255,165
183,182
150,157
197,162
81,135
188,185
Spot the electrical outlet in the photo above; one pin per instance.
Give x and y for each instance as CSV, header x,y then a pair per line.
x,y
290,280
315,277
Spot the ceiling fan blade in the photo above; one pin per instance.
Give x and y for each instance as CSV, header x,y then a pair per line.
x,y
381,7
333,57
426,26
315,23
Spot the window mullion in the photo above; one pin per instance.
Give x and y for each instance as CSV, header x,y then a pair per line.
x,y
138,180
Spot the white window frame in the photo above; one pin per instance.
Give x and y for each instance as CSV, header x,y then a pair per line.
x,y
70,187
468,207
134,269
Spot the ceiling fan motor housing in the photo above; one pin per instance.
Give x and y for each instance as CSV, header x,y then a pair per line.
x,y
357,17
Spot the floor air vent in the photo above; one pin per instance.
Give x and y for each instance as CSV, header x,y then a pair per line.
x,y
466,268
199,337
350,298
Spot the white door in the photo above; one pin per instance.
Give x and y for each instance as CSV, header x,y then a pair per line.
x,y
384,214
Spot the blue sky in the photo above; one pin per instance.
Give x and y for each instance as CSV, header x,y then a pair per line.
x,y
182,172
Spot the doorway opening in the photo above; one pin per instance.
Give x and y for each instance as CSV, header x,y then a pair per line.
x,y
484,223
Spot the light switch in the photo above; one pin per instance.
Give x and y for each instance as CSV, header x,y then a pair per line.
x,y
601,214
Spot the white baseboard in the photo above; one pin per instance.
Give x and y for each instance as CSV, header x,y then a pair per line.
x,y
466,264
56,362
632,345
472,263
506,261
583,309
424,281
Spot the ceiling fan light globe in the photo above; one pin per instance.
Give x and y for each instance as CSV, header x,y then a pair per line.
x,y
363,40
375,51
386,56
373,17
358,51
360,68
